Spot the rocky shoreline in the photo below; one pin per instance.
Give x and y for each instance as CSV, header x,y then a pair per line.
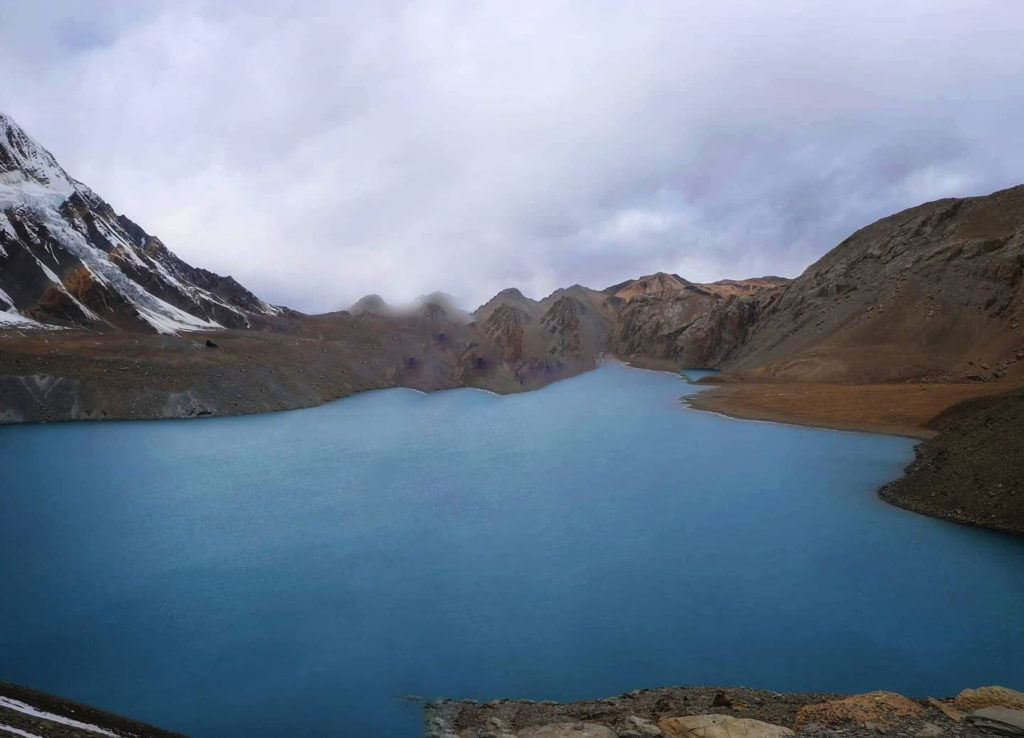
x,y
733,712
972,471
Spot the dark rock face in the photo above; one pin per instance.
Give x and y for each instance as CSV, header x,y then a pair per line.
x,y
972,472
692,327
666,320
935,292
67,258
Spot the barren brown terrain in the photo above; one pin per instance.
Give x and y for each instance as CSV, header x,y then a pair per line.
x,y
898,408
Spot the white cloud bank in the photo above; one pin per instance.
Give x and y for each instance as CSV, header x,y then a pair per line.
x,y
321,150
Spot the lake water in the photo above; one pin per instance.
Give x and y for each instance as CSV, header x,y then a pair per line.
x,y
297,573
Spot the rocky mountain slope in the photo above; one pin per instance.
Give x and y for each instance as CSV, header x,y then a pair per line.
x,y
934,293
517,342
66,258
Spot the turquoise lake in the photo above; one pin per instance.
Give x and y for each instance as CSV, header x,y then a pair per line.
x,y
297,573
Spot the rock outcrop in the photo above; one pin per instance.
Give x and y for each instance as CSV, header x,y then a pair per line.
x,y
997,720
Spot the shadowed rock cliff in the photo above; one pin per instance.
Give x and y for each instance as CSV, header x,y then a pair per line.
x,y
687,327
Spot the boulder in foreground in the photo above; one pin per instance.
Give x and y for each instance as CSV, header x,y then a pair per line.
x,y
880,708
998,720
719,726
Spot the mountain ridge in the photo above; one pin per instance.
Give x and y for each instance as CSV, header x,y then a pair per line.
x,y
933,294
69,260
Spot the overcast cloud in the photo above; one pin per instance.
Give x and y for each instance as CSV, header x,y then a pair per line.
x,y
318,151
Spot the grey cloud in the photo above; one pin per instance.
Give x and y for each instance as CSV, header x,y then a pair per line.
x,y
324,150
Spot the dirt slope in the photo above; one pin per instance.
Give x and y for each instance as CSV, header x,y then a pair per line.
x,y
934,293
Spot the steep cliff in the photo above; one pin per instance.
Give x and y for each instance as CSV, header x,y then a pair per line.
x,y
669,321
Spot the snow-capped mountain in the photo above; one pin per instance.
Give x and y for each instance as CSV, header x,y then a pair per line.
x,y
66,258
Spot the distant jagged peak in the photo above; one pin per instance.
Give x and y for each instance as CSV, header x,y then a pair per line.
x,y
437,297
505,313
651,284
373,304
440,307
576,291
509,296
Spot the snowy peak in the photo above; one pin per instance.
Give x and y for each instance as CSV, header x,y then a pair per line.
x,y
67,259
23,162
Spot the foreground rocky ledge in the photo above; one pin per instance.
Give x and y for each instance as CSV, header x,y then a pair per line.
x,y
715,712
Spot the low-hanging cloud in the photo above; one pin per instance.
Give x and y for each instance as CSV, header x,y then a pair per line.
x,y
321,150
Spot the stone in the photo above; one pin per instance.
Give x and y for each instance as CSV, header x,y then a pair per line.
x,y
975,699
929,730
998,720
879,708
439,728
568,730
719,726
497,728
948,710
638,726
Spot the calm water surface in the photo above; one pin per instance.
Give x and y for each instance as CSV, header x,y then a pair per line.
x,y
297,573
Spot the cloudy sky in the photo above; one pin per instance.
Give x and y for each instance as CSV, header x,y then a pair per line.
x,y
318,150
